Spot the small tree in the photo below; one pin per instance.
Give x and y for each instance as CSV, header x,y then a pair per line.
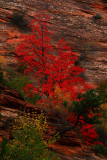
x,y
37,53
86,110
87,107
57,69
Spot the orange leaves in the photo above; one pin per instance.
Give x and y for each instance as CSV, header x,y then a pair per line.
x,y
64,96
3,60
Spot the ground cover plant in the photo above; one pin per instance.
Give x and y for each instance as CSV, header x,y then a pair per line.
x,y
18,19
27,142
18,82
97,16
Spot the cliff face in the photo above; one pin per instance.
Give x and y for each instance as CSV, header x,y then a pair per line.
x,y
72,20
68,147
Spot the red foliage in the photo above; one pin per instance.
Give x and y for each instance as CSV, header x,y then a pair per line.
x,y
89,133
37,53
30,90
52,67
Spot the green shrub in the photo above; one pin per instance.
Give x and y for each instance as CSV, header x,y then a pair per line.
x,y
33,99
27,143
19,20
105,1
102,132
90,101
97,16
1,75
2,147
10,73
8,123
18,83
100,150
102,90
20,68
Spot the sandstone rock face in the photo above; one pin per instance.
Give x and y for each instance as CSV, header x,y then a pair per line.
x,y
68,147
72,20
11,102
70,139
10,98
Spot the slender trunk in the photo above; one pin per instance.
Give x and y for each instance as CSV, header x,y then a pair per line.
x,y
42,39
62,131
76,123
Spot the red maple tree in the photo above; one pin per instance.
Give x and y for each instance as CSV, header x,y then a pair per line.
x,y
38,54
51,67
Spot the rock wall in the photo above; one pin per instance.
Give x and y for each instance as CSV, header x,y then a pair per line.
x,y
68,147
72,20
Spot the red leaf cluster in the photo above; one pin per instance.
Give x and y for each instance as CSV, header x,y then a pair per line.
x,y
51,67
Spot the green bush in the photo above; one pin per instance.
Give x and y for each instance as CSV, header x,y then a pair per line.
x,y
27,143
102,90
90,101
33,99
102,132
20,68
105,1
1,75
97,16
19,20
2,147
18,82
100,150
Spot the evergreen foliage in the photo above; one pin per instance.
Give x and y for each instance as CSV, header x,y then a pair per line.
x,y
1,75
97,16
27,142
19,20
88,102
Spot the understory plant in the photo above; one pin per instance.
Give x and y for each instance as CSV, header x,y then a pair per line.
x,y
1,75
84,113
99,150
97,16
18,19
27,142
3,61
19,82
